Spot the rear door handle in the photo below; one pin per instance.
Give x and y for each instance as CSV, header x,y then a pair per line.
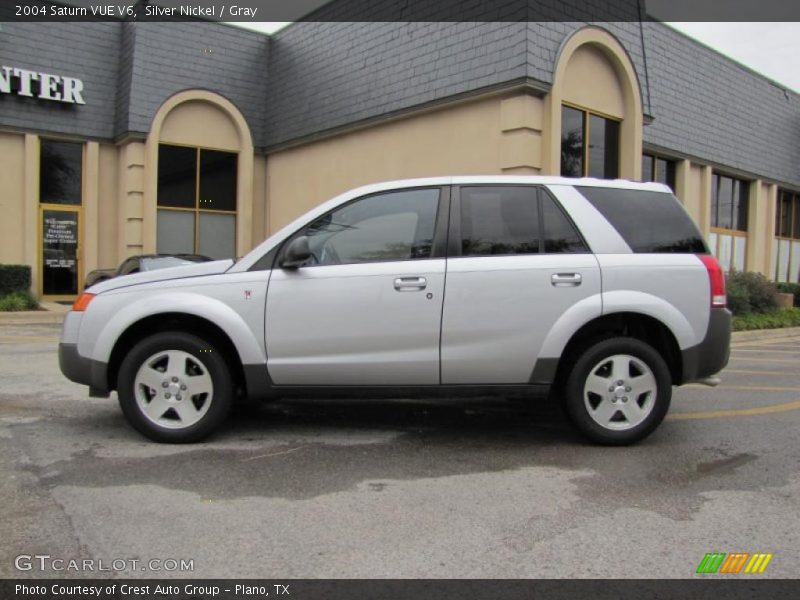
x,y
565,279
410,284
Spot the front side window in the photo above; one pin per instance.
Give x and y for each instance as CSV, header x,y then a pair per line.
x,y
589,144
506,220
384,227
196,201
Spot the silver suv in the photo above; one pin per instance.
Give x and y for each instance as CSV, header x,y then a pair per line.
x,y
601,291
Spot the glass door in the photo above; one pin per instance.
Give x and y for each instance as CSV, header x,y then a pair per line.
x,y
60,191
60,252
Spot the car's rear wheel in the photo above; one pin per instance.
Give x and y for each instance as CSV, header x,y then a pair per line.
x,y
175,387
618,391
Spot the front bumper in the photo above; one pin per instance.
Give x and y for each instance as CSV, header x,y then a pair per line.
x,y
711,355
83,370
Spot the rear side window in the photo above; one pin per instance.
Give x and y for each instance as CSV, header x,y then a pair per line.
x,y
560,235
499,220
649,222
503,220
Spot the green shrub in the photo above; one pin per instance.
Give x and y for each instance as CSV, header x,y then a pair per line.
x,y
787,317
750,293
14,278
791,288
20,300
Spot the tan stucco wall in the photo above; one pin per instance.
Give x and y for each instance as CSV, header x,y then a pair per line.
x,y
198,123
590,81
691,190
500,134
130,199
12,198
259,227
107,185
760,226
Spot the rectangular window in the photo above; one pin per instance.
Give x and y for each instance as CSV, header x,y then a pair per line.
x,y
649,222
499,220
603,145
390,226
659,169
196,201
787,215
506,220
177,174
590,144
729,203
60,184
786,245
60,172
571,142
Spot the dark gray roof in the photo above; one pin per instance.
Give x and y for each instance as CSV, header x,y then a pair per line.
x,y
314,77
706,105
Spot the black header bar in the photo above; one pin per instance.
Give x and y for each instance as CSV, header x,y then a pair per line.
x,y
400,10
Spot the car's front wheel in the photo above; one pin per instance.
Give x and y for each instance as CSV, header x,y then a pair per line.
x,y
174,387
618,391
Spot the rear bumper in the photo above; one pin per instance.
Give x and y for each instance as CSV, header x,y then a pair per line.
x,y
712,354
83,370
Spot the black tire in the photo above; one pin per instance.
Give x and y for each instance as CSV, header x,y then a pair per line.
x,y
578,411
202,356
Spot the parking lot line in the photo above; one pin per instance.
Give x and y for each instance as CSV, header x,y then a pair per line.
x,y
795,346
26,339
770,350
773,360
777,342
759,388
736,412
754,372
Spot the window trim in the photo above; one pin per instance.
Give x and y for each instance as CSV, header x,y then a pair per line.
x,y
454,249
585,115
794,202
654,158
438,247
712,214
197,210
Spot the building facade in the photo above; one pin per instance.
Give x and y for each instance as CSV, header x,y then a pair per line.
x,y
123,138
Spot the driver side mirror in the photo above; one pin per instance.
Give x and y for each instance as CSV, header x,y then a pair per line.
x,y
296,254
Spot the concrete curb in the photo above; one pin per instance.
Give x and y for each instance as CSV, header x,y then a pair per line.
x,y
52,314
765,334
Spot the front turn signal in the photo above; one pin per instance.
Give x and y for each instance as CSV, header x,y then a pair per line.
x,y
82,302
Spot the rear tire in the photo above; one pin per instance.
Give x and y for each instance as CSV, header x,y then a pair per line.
x,y
618,391
175,387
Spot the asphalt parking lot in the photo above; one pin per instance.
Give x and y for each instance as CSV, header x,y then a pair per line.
x,y
404,489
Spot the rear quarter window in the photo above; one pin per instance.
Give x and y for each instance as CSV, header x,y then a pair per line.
x,y
649,222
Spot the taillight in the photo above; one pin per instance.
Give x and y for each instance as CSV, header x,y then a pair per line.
x,y
82,302
717,279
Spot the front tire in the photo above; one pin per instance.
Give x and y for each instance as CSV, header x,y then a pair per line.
x,y
618,391
175,387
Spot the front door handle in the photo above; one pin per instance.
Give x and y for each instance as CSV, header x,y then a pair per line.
x,y
410,284
565,279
